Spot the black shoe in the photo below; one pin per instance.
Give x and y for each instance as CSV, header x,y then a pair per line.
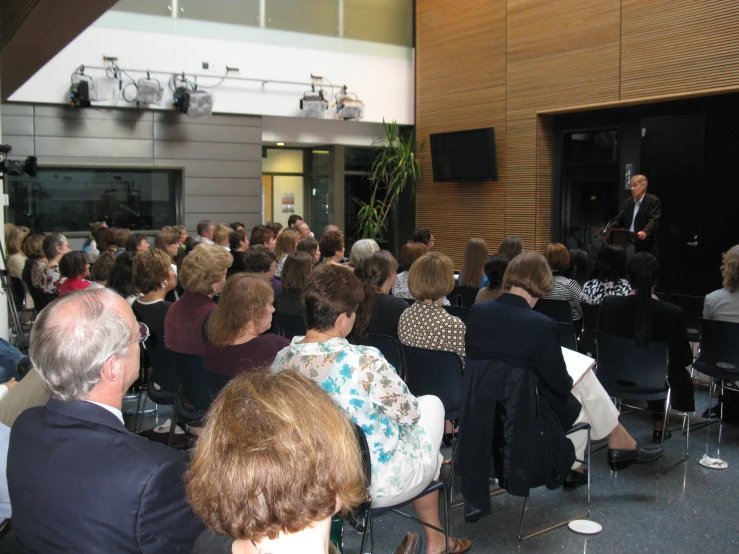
x,y
713,413
621,459
575,479
657,436
447,439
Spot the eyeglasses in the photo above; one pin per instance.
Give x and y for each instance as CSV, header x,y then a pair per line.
x,y
143,334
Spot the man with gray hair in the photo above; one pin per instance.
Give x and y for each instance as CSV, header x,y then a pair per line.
x,y
79,481
205,232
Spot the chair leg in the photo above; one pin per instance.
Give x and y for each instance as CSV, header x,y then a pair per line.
x,y
454,453
589,466
172,427
446,521
668,409
523,515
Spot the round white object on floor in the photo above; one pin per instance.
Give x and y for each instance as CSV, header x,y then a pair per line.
x,y
585,527
713,463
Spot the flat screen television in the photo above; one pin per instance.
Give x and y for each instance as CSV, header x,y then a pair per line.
x,y
464,156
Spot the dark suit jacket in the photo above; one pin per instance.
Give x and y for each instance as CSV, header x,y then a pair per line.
x,y
81,482
617,317
507,329
647,220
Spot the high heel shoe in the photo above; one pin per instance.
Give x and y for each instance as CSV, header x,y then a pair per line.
x,y
621,459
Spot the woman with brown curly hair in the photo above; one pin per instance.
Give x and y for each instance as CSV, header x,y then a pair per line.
x,y
723,304
234,329
275,461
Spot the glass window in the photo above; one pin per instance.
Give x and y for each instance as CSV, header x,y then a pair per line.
x,y
283,160
320,161
238,12
318,17
320,203
64,199
150,7
358,159
388,21
591,147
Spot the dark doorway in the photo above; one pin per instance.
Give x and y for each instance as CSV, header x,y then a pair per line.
x,y
673,159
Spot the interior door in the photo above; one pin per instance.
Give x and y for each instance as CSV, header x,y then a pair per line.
x,y
673,160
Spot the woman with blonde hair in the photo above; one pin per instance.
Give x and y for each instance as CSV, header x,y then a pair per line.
x,y
221,233
275,461
723,304
287,242
237,329
473,268
202,275
16,257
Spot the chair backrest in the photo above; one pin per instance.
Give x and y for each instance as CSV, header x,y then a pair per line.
x,y
453,296
567,335
720,344
558,310
467,296
197,383
628,371
164,372
436,372
389,347
586,340
291,325
692,310
459,311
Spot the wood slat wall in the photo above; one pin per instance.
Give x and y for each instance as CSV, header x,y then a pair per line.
x,y
497,63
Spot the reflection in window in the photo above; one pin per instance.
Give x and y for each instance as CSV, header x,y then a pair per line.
x,y
65,200
359,159
150,7
318,17
388,21
238,12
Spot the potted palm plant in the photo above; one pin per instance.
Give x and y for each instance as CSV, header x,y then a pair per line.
x,y
395,167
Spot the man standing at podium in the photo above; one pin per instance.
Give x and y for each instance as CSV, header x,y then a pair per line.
x,y
641,216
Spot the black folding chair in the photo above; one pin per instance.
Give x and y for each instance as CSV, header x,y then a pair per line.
x,y
453,296
467,296
459,311
629,372
390,349
692,311
162,384
291,325
558,310
586,340
567,335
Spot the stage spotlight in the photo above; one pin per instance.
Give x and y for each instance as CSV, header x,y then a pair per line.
x,y
79,94
349,106
149,91
194,103
314,104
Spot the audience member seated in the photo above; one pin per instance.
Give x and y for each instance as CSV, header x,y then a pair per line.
x,y
304,231
332,247
121,277
259,259
92,247
723,304
205,230
261,235
473,268
645,319
115,240
494,270
79,480
237,226
360,250
221,234
33,248
202,275
379,273
16,257
275,461
102,268
136,242
75,270
403,432
425,237
293,220
168,241
558,258
286,244
295,274
275,227
408,255
309,245
239,245
508,329
609,277
154,278
426,324
46,277
235,343
511,247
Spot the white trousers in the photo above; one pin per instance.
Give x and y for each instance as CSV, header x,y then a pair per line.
x,y
431,420
597,409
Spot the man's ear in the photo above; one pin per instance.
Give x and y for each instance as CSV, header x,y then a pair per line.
x,y
111,369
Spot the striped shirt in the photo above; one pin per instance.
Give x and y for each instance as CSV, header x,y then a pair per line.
x,y
567,289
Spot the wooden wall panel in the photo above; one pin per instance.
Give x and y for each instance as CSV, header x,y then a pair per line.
x,y
678,46
500,63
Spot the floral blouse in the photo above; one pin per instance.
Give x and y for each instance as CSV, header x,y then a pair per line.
x,y
401,290
46,278
594,291
366,387
428,325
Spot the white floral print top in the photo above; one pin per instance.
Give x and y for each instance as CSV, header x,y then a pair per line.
x,y
366,387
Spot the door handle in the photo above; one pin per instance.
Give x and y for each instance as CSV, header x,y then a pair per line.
x,y
694,243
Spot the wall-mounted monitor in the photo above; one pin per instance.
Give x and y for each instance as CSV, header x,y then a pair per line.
x,y
465,156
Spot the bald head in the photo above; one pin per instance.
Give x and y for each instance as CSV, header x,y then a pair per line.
x,y
75,335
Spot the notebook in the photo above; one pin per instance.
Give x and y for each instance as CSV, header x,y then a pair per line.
x,y
577,364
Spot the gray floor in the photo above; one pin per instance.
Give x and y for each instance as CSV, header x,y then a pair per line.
x,y
691,509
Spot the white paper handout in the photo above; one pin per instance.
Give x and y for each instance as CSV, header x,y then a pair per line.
x,y
577,364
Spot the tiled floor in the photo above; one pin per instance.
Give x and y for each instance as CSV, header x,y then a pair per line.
x,y
691,509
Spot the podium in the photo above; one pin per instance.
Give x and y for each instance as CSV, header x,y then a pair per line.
x,y
620,237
